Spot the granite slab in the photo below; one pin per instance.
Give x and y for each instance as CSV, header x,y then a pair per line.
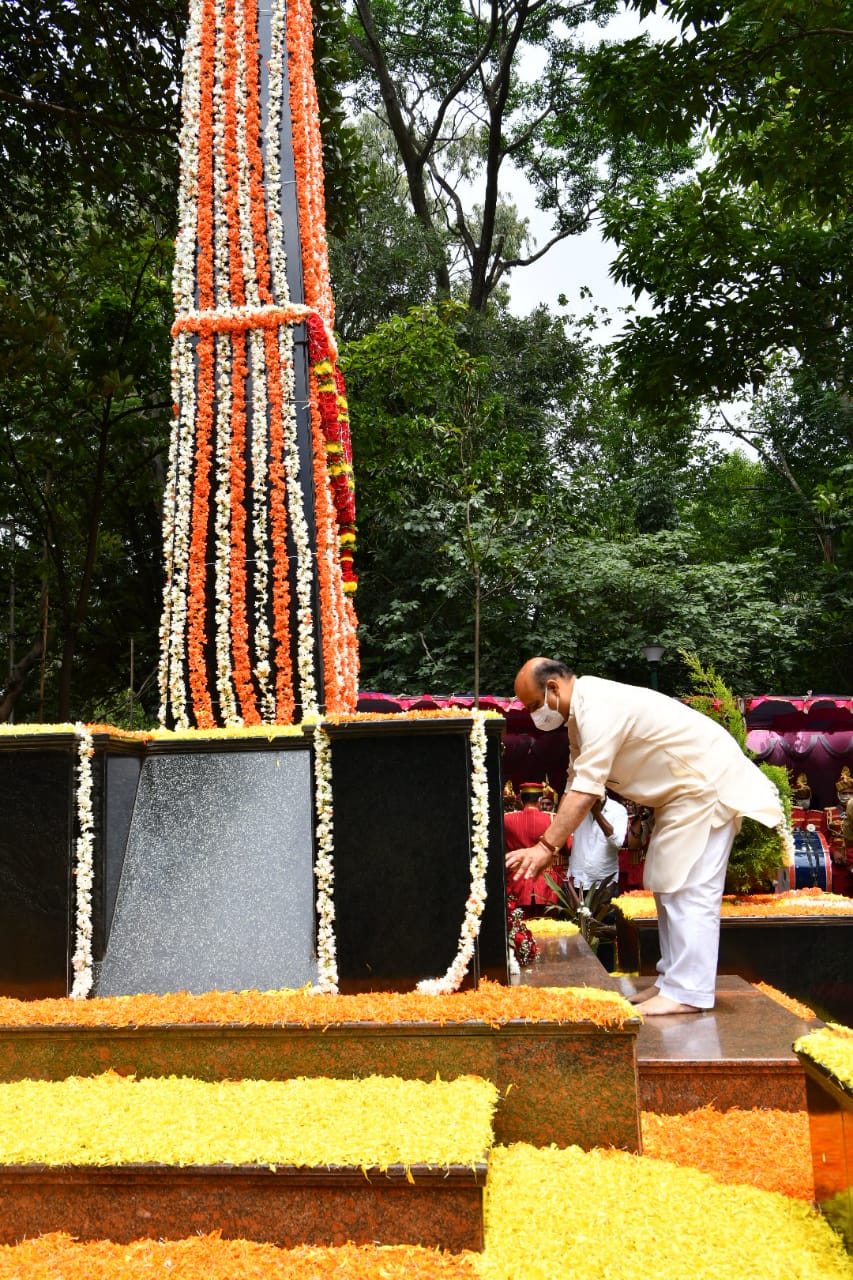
x,y
436,1207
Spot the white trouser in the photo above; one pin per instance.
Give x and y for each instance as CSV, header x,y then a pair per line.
x,y
689,926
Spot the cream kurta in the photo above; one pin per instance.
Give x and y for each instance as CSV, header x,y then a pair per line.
x,y
658,752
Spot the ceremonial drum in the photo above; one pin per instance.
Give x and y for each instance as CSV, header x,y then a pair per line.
x,y
812,862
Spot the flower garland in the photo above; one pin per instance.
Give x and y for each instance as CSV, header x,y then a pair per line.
x,y
522,941
81,961
227,648
324,869
334,421
452,980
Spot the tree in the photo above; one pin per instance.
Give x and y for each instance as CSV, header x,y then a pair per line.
x,y
89,104
457,492
84,410
463,108
749,257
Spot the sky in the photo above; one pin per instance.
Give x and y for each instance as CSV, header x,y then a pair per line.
x,y
580,261
583,262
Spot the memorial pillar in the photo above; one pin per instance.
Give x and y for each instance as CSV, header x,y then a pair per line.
x,y
258,625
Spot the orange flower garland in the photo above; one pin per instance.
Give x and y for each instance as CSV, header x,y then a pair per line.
x,y
230,659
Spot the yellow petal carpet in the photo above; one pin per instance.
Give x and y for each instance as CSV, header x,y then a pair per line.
x,y
830,1047
112,1119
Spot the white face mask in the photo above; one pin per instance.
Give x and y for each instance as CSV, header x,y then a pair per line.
x,y
546,717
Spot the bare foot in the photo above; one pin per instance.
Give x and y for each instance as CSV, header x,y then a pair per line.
x,y
639,997
662,1004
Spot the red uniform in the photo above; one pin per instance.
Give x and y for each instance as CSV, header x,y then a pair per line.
x,y
521,830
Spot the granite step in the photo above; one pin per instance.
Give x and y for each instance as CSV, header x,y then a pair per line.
x,y
738,1054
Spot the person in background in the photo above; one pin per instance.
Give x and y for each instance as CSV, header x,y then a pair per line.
x,y
548,799
596,844
520,830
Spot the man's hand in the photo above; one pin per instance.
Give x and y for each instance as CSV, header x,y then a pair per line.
x,y
529,863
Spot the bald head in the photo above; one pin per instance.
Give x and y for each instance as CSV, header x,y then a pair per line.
x,y
539,674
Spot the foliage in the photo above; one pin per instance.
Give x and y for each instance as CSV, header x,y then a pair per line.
x,y
84,409
90,107
750,256
590,913
459,97
758,852
714,698
451,417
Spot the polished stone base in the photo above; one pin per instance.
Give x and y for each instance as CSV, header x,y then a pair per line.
x,y
830,1108
586,1075
203,855
737,1055
430,1206
808,958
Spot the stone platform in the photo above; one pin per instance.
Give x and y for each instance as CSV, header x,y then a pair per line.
x,y
736,1055
587,1073
436,1207
807,957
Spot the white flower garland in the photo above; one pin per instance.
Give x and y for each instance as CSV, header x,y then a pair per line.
x,y
324,870
299,532
786,838
452,980
260,524
272,146
222,525
247,244
81,961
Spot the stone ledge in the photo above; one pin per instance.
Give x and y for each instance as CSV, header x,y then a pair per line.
x,y
426,1205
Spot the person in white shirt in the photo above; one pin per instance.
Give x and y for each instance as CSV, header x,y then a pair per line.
x,y
658,752
596,844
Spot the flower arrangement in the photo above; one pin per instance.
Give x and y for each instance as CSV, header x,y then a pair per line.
x,y
234,612
640,905
491,1003
377,1121
796,1007
830,1047
669,1210
732,1146
210,1257
520,937
660,1215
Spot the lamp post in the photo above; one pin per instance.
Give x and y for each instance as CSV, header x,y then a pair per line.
x,y
8,527
653,654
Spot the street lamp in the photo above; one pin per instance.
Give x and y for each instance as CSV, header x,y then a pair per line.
x,y
8,527
653,654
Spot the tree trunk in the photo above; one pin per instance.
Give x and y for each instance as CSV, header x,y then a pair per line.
x,y
16,681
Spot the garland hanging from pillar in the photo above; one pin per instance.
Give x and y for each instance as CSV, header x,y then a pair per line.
x,y
258,618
